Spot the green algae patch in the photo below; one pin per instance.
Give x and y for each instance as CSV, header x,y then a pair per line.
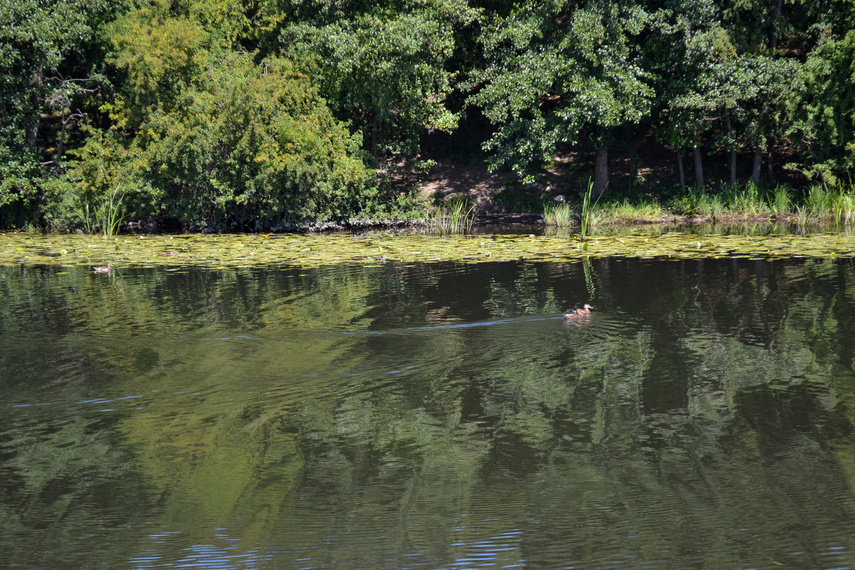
x,y
312,250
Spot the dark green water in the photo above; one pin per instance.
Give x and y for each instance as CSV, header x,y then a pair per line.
x,y
430,416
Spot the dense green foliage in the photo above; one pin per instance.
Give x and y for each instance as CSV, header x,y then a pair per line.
x,y
49,63
262,112
557,70
385,68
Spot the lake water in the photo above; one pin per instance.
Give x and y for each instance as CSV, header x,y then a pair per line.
x,y
430,416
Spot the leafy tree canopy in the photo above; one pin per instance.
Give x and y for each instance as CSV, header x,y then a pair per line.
x,y
49,57
244,141
825,119
557,71
383,67
261,109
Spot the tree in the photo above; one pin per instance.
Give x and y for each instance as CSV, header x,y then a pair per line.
x,y
691,55
719,81
206,134
385,69
49,72
825,124
558,71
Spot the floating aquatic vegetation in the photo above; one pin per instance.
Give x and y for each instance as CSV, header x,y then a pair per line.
x,y
311,250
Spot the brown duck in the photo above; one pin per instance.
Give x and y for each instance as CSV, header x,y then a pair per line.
x,y
579,313
104,268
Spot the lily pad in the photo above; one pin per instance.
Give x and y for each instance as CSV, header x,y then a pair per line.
x,y
314,250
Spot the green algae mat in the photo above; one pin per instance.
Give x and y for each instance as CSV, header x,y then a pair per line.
x,y
312,250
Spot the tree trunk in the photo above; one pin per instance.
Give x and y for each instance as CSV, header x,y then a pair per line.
x,y
771,164
375,138
758,163
60,146
731,155
778,7
36,102
601,170
682,170
699,167
732,160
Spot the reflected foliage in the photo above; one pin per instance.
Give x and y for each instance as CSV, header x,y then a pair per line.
x,y
362,415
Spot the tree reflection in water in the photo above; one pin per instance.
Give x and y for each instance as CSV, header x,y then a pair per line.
x,y
430,416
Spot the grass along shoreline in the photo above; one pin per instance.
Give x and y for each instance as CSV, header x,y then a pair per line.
x,y
458,213
732,204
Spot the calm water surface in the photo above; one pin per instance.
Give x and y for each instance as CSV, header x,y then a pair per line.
x,y
430,416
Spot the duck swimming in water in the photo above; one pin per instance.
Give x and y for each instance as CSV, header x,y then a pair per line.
x,y
104,268
578,313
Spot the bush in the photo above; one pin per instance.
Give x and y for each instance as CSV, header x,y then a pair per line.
x,y
246,142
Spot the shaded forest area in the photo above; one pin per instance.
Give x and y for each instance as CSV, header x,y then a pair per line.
x,y
253,113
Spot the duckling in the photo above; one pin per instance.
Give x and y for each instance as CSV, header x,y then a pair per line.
x,y
104,268
577,313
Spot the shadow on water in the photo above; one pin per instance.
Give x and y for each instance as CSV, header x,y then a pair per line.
x,y
430,416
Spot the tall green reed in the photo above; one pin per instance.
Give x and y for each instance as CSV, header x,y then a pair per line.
x,y
779,200
560,214
707,205
456,217
588,216
107,216
747,200
843,207
819,203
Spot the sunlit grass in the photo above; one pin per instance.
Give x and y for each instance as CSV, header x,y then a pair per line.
x,y
801,215
746,200
779,201
710,205
822,206
729,203
455,217
816,205
844,208
819,203
698,202
631,212
559,215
